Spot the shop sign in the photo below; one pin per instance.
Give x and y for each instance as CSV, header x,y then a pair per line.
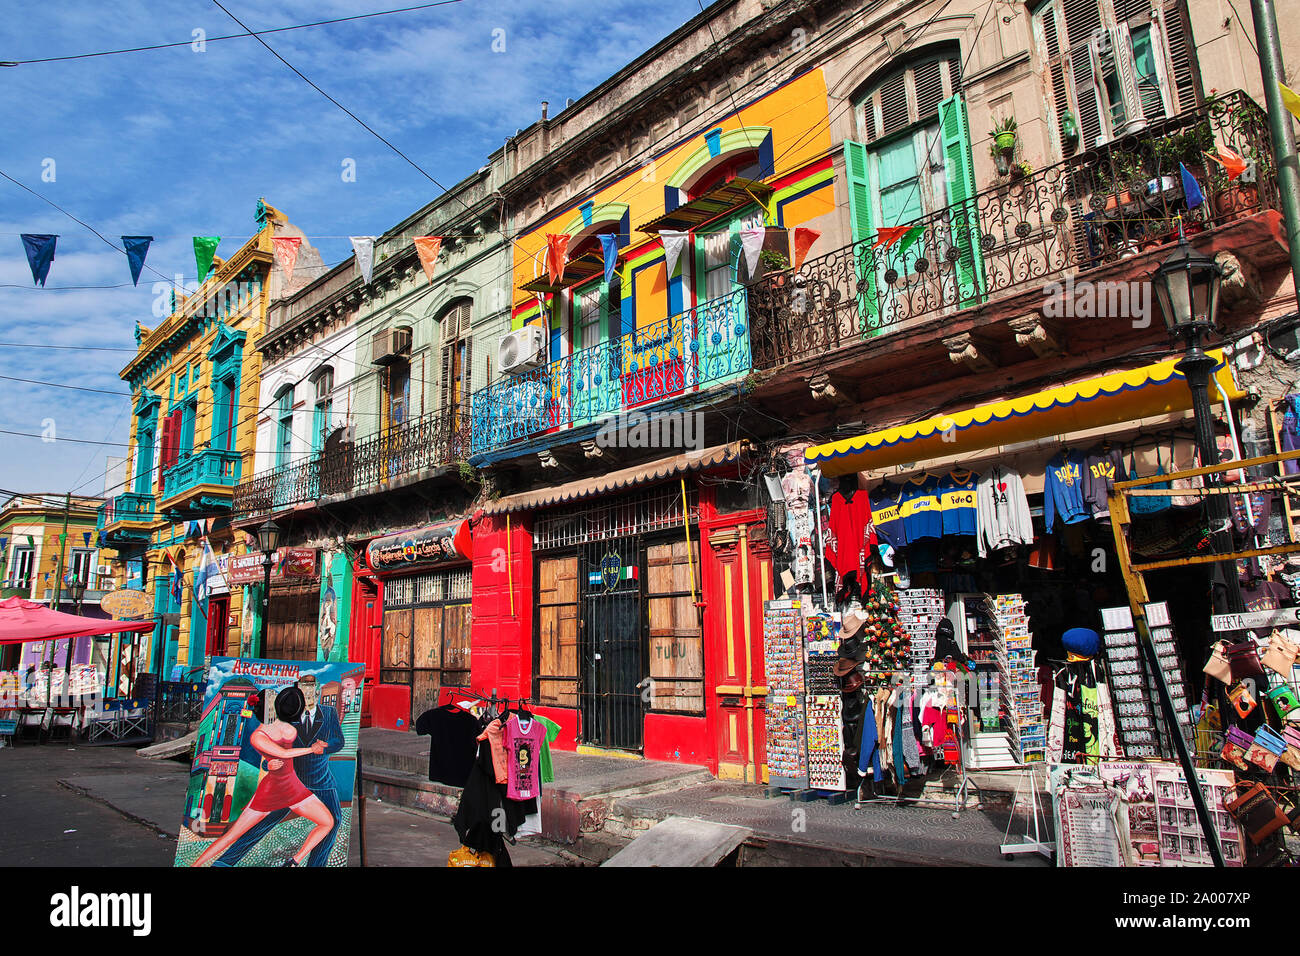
x,y
1276,617
436,544
289,564
127,604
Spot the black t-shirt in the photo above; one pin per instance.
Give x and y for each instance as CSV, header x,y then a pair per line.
x,y
451,734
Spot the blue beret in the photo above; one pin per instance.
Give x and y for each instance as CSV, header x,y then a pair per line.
x,y
1083,641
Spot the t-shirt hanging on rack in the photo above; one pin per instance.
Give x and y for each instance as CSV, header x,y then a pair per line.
x,y
851,531
922,517
1002,510
1101,469
451,733
1063,490
957,491
524,739
887,515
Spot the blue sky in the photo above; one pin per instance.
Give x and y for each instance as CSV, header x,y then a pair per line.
x,y
176,143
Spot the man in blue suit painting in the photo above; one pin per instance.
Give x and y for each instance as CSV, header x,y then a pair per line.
x,y
317,722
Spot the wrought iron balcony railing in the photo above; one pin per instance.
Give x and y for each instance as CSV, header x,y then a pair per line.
x,y
128,506
439,438
211,466
1104,204
703,346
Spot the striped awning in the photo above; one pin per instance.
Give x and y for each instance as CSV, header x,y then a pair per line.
x,y
617,480
720,199
1090,403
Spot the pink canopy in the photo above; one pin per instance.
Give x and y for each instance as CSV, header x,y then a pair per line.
x,y
22,621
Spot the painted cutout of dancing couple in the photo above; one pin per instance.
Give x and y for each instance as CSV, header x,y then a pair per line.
x,y
297,748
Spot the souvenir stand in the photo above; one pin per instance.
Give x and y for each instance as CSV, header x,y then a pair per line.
x,y
787,741
1233,788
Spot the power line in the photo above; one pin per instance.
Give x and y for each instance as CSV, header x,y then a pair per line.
x,y
232,36
78,348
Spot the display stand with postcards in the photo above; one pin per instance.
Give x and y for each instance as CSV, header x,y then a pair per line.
x,y
787,742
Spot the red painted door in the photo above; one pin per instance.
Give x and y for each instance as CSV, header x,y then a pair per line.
x,y
364,634
740,579
218,625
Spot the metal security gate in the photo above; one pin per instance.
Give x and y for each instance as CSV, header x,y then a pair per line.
x,y
613,644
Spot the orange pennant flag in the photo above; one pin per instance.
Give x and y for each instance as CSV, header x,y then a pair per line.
x,y
888,235
1231,162
426,247
803,241
556,247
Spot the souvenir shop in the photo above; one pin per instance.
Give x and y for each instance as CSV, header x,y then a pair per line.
x,y
970,572
421,582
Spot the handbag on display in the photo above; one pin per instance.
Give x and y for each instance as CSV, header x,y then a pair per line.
x,y
1256,812
1152,504
1291,756
1284,699
1241,699
1266,749
1235,744
1184,501
1217,666
1281,654
1243,659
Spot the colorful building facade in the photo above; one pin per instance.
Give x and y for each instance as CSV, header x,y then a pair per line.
x,y
194,383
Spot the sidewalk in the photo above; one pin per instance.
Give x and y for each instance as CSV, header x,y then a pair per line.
x,y
151,793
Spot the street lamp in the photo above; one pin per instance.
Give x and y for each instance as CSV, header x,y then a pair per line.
x,y
77,589
268,539
1187,287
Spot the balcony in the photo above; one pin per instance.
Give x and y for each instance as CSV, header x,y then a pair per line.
x,y
124,520
403,453
704,346
1101,206
201,481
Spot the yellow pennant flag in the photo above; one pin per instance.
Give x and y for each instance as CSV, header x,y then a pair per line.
x,y
1290,100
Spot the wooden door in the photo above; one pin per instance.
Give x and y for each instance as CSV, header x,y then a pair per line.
x,y
740,580
364,632
218,625
556,651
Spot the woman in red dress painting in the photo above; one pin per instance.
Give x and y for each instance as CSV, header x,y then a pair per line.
x,y
280,788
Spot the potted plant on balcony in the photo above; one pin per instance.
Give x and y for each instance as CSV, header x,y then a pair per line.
x,y
1000,161
1004,136
1022,169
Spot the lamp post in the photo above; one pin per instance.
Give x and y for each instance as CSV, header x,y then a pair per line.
x,y
77,590
268,539
1187,287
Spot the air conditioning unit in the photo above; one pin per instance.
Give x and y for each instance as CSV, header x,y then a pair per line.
x,y
522,350
388,345
103,569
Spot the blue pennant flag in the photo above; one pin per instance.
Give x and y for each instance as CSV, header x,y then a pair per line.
x,y
609,243
85,538
40,253
1191,189
137,247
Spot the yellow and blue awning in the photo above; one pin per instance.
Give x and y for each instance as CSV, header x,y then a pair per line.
x,y
1091,403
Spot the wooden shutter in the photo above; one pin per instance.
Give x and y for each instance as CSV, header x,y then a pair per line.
x,y
676,641
893,104
557,631
859,189
929,87
960,169
1182,55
